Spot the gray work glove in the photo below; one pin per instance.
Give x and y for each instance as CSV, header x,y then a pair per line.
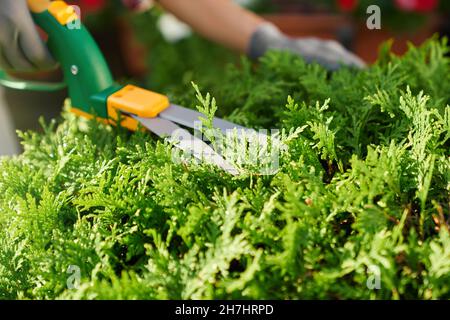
x,y
328,53
21,48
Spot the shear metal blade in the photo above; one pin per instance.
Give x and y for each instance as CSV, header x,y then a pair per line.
x,y
188,117
185,141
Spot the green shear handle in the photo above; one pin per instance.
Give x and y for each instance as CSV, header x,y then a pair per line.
x,y
18,84
85,70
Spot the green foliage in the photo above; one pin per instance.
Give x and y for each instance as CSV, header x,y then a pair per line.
x,y
172,66
362,189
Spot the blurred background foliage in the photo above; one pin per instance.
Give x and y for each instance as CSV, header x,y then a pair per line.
x,y
159,52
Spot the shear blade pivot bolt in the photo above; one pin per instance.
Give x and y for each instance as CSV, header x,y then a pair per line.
x,y
74,70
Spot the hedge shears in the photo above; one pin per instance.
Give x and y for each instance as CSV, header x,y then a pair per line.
x,y
94,93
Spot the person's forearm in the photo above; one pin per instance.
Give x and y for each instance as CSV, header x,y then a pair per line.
x,y
221,21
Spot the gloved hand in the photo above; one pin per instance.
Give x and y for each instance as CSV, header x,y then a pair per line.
x,y
328,53
21,48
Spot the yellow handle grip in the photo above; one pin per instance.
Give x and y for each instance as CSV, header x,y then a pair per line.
x,y
38,6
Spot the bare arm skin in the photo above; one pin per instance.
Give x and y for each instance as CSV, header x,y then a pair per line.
x,y
225,22
221,21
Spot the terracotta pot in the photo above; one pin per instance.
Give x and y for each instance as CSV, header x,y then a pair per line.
x,y
367,42
327,26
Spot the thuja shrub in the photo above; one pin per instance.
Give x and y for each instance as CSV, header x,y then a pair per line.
x,y
358,208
